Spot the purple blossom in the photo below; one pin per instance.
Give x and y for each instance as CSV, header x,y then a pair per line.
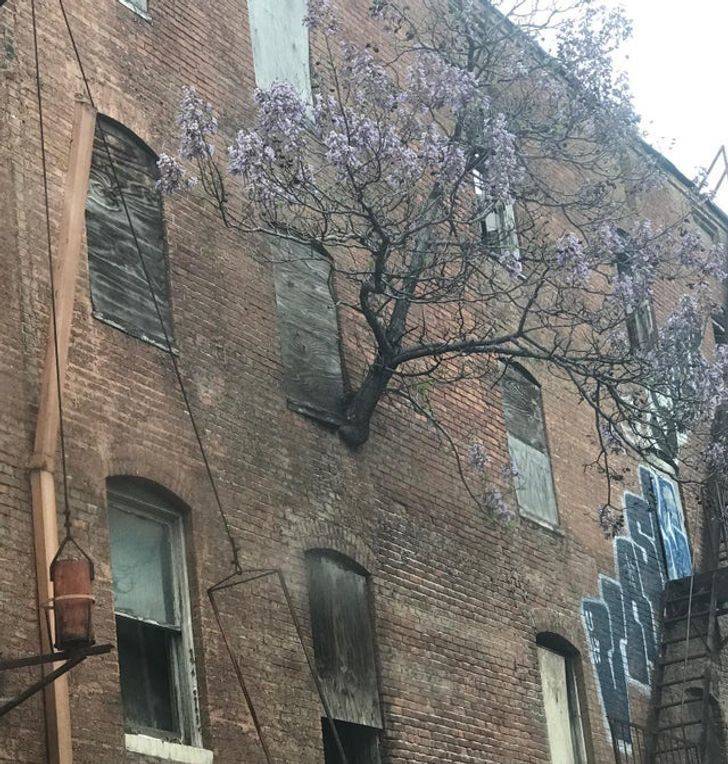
x,y
477,457
434,83
320,15
500,169
172,176
196,121
282,116
571,258
610,520
494,501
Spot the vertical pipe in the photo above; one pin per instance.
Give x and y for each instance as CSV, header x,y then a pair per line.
x,y
42,482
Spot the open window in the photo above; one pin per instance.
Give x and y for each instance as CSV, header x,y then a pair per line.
x,y
641,326
152,611
121,284
280,43
561,693
498,223
525,425
343,640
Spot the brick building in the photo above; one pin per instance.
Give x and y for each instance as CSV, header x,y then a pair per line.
x,y
462,632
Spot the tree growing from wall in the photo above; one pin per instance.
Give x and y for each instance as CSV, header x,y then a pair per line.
x,y
483,203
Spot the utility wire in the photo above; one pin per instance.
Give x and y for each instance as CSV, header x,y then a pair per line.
x,y
54,318
155,301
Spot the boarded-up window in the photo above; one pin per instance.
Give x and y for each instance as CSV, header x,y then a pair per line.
x,y
524,421
344,648
280,43
309,332
561,707
120,292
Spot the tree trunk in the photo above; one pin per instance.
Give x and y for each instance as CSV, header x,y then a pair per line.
x,y
358,412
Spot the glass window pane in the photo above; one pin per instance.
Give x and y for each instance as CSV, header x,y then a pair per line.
x,y
141,567
146,671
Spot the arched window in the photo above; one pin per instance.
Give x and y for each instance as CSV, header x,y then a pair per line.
x,y
152,610
121,293
526,428
343,640
559,667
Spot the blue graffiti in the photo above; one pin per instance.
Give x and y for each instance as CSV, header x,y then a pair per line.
x,y
622,623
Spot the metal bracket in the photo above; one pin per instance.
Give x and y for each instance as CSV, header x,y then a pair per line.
x,y
71,659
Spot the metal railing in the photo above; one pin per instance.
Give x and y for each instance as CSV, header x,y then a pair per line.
x,y
634,744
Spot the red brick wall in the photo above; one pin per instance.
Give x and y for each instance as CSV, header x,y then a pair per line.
x,y
458,597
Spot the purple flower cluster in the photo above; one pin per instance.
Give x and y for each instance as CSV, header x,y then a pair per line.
x,y
572,259
197,122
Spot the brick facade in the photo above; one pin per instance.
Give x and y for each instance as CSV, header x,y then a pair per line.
x,y
458,598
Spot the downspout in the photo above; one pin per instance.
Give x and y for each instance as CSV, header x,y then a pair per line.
x,y
42,464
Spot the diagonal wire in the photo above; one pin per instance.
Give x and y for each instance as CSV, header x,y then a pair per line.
x,y
54,319
155,301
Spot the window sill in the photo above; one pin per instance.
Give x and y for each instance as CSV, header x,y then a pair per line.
x,y
165,751
542,524
142,14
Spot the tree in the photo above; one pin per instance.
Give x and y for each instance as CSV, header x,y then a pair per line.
x,y
482,201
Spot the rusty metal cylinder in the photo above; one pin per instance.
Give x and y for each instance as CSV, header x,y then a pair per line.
x,y
72,603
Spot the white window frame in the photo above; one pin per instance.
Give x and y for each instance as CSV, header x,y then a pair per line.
x,y
139,7
499,222
183,661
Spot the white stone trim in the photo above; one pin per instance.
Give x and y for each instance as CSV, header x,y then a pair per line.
x,y
166,751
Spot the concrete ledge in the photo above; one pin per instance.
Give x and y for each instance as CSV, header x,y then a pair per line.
x,y
165,751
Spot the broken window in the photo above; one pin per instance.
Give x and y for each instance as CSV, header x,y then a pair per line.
x,y
343,642
309,332
562,707
280,43
151,605
121,293
524,420
641,327
498,224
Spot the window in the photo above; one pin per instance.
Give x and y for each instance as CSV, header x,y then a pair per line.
x,y
498,225
151,604
120,292
309,332
344,648
523,412
140,6
560,690
280,43
641,327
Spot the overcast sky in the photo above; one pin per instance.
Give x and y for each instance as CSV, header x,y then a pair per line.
x,y
677,60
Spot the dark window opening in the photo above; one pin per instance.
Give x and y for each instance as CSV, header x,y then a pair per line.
x,y
360,743
526,429
120,292
641,327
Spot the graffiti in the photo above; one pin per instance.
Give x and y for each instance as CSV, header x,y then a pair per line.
x,y
622,623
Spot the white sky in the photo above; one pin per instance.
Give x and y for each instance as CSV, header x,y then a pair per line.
x,y
676,61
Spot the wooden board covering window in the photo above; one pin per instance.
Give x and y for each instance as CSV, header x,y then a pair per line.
x,y
343,639
120,292
309,332
524,421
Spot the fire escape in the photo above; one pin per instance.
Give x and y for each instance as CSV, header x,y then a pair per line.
x,y
685,724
